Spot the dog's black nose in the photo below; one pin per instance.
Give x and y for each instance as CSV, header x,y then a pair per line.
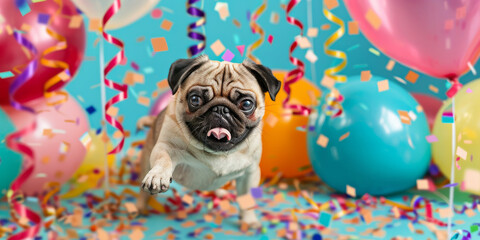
x,y
221,109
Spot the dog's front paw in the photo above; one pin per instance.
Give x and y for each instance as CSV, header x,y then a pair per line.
x,y
156,181
250,218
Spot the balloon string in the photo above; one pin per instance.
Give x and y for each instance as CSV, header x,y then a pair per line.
x,y
63,75
296,74
256,28
14,195
196,12
452,170
333,106
123,88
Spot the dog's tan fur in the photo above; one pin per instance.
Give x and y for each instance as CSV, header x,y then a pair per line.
x,y
171,151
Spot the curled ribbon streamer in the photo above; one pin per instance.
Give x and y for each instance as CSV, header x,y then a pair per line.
x,y
196,12
295,74
123,88
12,142
63,75
333,106
256,29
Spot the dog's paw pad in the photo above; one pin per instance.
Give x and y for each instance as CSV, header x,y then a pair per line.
x,y
156,181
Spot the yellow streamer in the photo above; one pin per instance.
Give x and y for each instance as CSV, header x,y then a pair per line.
x,y
63,75
331,72
257,29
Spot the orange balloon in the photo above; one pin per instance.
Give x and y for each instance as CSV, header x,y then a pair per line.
x,y
284,146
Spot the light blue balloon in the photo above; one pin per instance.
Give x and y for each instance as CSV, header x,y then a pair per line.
x,y
10,161
381,155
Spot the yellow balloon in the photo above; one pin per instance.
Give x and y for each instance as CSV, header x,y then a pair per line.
x,y
467,121
93,166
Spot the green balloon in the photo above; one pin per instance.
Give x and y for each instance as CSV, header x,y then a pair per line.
x,y
10,161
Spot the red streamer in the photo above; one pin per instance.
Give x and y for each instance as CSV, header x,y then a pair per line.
x,y
297,73
123,88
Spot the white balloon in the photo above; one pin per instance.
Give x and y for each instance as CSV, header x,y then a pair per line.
x,y
130,10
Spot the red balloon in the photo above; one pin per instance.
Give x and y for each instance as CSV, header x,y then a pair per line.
x,y
430,106
12,56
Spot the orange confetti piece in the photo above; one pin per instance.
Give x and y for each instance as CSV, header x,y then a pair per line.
x,y
373,19
159,44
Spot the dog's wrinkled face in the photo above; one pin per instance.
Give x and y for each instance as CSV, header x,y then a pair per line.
x,y
221,103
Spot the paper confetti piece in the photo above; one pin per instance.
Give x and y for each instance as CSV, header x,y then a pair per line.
x,y
411,77
382,85
246,201
367,215
365,76
85,139
422,184
6,74
470,212
461,153
228,56
310,56
322,140
353,28
271,120
113,111
23,6
373,19
469,90
94,25
330,4
312,32
325,26
431,138
43,18
156,13
374,51
344,136
445,212
237,23
145,101
472,68
433,88
270,39
166,25
159,44
325,219
241,49
471,180
274,17
75,21
404,117
257,192
217,47
447,117
351,191
222,9
390,65
327,81
303,42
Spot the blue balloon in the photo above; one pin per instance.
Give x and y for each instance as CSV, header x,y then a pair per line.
x,y
10,161
381,154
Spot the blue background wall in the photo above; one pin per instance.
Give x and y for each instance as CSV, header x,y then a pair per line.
x,y
275,56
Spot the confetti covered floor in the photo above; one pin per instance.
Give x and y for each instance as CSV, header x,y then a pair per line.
x,y
284,211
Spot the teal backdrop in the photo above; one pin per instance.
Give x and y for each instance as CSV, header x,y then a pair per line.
x,y
155,66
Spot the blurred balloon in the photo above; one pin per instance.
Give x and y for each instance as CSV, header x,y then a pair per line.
x,y
467,122
55,142
439,38
161,103
68,24
284,146
130,11
10,161
430,106
92,169
377,145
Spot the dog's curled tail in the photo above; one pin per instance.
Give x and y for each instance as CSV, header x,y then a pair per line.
x,y
146,121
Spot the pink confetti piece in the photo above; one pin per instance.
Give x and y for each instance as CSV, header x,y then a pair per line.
x,y
270,39
228,56
241,49
156,13
431,138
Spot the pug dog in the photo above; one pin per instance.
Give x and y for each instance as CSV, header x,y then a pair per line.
x,y
210,132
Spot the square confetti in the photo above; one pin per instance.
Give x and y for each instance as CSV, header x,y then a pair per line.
x,y
217,47
166,25
373,19
228,56
382,85
325,219
159,44
43,18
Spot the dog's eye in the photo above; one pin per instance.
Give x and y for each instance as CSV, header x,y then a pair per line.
x,y
246,105
195,101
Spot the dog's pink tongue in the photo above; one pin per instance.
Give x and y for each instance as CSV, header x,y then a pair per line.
x,y
219,133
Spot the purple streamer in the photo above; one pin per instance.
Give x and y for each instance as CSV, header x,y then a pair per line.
x,y
196,12
25,75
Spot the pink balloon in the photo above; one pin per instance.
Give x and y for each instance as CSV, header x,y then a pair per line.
x,y
430,106
437,37
51,165
161,103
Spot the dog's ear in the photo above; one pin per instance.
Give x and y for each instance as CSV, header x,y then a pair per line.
x,y
266,80
182,68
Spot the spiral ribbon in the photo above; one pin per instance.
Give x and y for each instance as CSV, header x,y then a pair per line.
x,y
122,88
14,196
297,73
63,75
196,12
256,29
333,106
